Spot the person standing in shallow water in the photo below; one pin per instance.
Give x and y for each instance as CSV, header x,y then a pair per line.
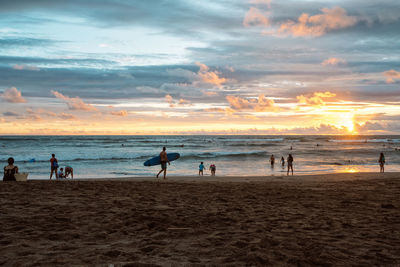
x,y
289,164
283,162
382,162
272,160
164,160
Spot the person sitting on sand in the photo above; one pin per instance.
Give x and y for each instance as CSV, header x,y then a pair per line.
x,y
290,164
10,170
382,162
283,162
201,168
68,171
213,168
272,160
53,166
61,173
164,160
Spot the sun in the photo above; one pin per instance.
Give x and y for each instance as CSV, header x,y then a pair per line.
x,y
347,120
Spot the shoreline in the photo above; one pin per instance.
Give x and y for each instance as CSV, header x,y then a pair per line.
x,y
267,178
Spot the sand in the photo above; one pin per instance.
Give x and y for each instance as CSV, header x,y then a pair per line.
x,y
338,220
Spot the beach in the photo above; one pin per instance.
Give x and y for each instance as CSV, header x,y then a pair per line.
x,y
331,220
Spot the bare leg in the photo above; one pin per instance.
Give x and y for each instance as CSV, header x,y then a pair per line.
x,y
165,173
159,172
56,173
51,173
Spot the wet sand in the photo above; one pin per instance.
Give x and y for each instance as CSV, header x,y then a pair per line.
x,y
337,220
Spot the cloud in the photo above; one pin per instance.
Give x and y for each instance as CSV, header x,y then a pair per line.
x,y
170,100
207,76
10,114
67,116
391,76
261,2
316,99
74,103
333,61
262,104
25,67
12,95
318,25
122,113
255,17
172,103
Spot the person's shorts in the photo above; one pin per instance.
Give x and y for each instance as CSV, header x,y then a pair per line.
x,y
163,165
53,168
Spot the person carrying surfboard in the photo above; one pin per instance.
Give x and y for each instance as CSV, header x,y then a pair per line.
x,y
164,160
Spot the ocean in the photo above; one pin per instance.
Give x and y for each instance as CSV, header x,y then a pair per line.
x,y
123,156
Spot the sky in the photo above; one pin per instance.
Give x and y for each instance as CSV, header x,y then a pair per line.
x,y
199,67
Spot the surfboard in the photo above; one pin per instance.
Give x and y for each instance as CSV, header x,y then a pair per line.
x,y
157,160
21,176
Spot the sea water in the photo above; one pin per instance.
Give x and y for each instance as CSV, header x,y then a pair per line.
x,y
123,156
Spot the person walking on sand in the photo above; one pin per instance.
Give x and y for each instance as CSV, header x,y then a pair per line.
x,y
164,160
283,162
53,166
289,164
272,160
213,168
382,162
10,170
201,168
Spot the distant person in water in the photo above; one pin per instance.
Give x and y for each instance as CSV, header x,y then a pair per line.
x,y
10,170
164,160
61,173
382,162
283,162
213,168
68,171
201,169
272,160
53,166
289,164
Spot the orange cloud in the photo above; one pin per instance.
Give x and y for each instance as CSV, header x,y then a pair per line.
x,y
172,103
169,99
122,113
12,95
316,99
261,104
254,17
211,77
74,103
318,25
391,76
333,61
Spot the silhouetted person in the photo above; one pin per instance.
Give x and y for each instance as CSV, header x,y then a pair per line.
x,y
10,170
283,162
382,162
272,160
289,164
